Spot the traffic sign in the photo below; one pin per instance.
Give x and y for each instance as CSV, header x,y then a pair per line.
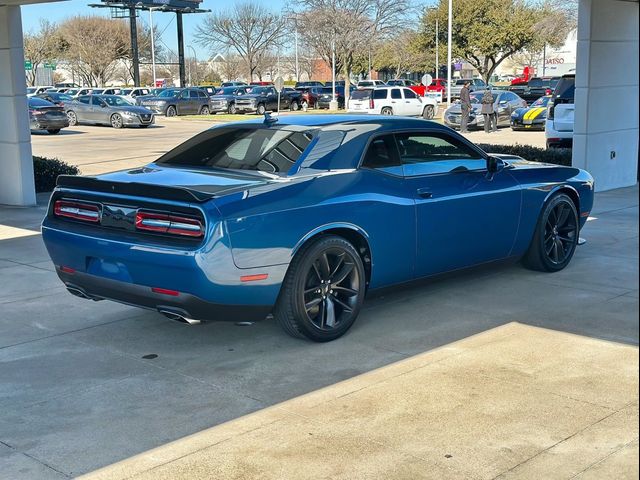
x,y
28,65
427,79
279,84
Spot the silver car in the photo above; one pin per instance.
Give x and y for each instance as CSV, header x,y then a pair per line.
x,y
504,103
108,110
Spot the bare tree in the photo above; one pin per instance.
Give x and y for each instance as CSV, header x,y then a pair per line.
x,y
92,45
349,25
249,29
40,47
231,67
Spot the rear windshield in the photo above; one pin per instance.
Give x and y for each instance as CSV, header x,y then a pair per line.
x,y
361,94
39,102
565,88
270,150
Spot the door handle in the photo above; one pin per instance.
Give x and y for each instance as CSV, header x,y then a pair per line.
x,y
424,193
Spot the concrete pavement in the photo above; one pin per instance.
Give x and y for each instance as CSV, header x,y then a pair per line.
x,y
84,385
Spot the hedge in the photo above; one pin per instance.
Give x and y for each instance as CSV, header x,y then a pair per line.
x,y
46,171
557,156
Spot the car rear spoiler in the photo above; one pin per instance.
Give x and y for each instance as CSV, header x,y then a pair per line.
x,y
178,193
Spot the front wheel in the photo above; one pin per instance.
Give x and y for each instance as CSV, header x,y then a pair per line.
x,y
428,113
556,237
116,120
294,106
323,290
261,109
204,110
171,111
232,109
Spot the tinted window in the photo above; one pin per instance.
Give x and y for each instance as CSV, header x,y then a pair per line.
x,y
169,93
112,100
423,154
380,94
535,82
381,154
408,93
272,150
363,94
85,99
565,88
395,93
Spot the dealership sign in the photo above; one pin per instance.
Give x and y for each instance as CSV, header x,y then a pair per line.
x,y
554,61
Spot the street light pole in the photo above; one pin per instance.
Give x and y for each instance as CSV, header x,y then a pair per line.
x,y
195,69
333,105
153,49
449,24
437,53
296,40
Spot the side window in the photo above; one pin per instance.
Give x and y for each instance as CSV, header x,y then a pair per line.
x,y
84,99
430,153
380,94
202,94
193,94
408,93
395,93
382,154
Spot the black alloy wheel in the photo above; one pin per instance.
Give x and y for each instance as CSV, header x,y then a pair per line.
x,y
323,291
556,236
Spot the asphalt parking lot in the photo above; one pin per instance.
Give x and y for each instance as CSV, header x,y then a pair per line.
x,y
91,148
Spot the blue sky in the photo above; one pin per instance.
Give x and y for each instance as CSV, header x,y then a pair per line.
x,y
58,11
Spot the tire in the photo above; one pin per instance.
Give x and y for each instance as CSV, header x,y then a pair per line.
x,y
556,236
261,109
232,109
204,110
294,106
54,131
116,121
72,117
171,111
386,111
428,113
314,302
144,126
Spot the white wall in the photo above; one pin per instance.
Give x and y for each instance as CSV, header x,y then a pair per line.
x,y
607,92
16,164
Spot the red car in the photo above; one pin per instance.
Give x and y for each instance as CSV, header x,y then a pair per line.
x,y
438,85
262,84
403,82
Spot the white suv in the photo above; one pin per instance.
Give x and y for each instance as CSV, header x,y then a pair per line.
x,y
558,128
392,101
370,83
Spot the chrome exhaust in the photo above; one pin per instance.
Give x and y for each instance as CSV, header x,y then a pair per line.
x,y
78,293
176,317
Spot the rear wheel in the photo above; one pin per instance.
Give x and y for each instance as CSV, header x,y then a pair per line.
x,y
294,106
72,117
53,131
428,113
323,290
116,120
556,236
386,111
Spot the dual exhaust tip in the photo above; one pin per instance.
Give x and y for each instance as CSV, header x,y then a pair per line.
x,y
170,314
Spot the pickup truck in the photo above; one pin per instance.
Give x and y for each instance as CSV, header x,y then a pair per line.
x,y
476,84
535,88
260,99
403,82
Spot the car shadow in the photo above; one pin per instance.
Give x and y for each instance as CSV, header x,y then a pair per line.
x,y
61,133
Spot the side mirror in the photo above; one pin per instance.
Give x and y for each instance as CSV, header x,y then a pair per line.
x,y
494,165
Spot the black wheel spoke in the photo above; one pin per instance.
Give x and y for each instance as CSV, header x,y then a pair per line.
x,y
317,272
313,303
338,265
345,306
560,250
349,292
563,215
344,272
324,266
330,312
565,239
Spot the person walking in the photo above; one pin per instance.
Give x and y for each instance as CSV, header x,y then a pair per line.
x,y
488,112
465,105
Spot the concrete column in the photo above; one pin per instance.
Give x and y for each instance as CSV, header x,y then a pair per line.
x,y
16,164
605,138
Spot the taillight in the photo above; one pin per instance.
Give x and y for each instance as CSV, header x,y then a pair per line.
x,y
169,223
547,91
371,104
86,212
550,111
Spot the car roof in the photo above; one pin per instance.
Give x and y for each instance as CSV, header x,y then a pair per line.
x,y
384,121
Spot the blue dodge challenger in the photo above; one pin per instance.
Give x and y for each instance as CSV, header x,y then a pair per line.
x,y
301,216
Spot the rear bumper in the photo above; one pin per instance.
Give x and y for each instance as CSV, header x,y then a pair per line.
x,y
560,142
183,305
45,124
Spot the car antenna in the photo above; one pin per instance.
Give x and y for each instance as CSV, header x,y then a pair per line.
x,y
270,119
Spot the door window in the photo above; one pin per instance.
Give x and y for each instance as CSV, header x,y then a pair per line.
x,y
408,93
395,93
425,154
84,99
380,94
193,94
382,154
